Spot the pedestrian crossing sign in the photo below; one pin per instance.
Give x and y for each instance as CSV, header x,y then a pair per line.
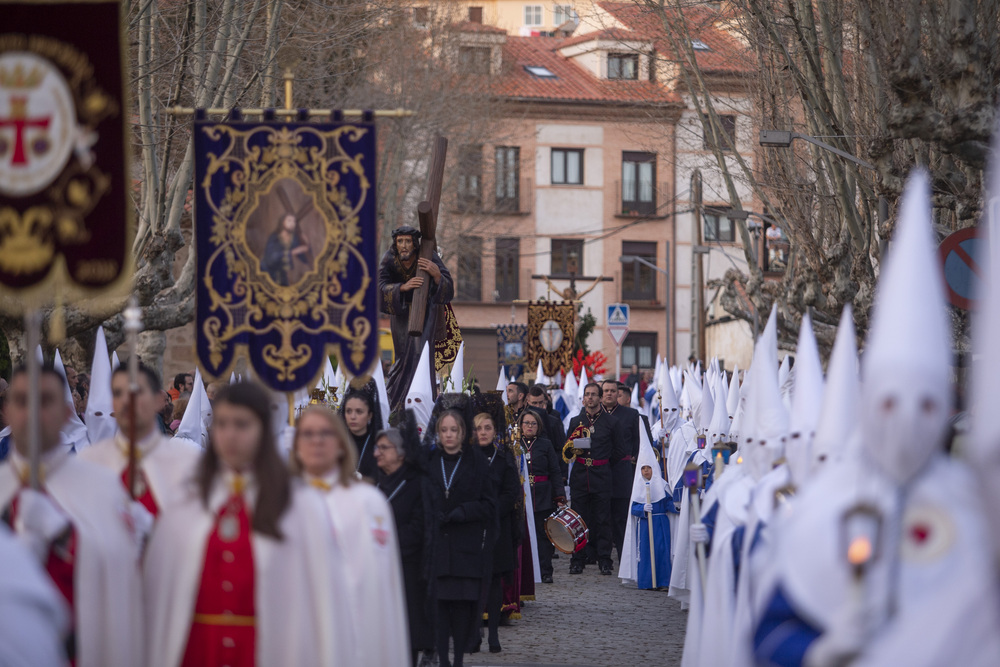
x,y
618,322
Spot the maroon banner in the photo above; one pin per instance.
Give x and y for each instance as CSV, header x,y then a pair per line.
x,y
63,166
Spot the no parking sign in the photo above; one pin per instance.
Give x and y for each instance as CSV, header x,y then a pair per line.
x,y
959,254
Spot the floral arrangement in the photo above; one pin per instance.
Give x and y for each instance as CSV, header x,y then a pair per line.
x,y
593,362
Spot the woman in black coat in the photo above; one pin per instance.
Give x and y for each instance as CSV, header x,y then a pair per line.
x,y
546,482
363,415
462,510
506,482
401,480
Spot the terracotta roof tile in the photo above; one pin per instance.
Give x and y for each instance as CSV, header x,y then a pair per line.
x,y
725,54
570,82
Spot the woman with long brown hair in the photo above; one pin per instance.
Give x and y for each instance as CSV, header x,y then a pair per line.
x,y
323,454
236,572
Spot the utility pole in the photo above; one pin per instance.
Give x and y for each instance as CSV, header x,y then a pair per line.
x,y
697,274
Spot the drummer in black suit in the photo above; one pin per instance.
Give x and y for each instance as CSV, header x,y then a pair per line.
x,y
622,472
590,475
545,480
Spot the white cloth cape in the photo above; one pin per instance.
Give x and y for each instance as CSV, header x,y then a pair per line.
x,y
167,463
365,530
657,492
33,612
529,511
946,612
300,586
106,585
754,565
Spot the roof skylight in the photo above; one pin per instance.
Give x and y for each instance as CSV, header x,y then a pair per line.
x,y
539,71
699,45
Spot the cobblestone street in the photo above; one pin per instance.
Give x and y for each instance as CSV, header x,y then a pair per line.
x,y
589,620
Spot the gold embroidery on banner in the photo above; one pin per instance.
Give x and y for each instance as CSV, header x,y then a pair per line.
x,y
318,296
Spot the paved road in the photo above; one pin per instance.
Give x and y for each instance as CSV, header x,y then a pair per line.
x,y
589,620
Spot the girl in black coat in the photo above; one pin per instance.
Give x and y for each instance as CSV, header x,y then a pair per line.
x,y
506,481
401,480
462,508
546,482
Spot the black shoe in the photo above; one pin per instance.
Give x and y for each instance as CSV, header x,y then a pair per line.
x,y
592,560
495,648
605,568
546,578
555,555
475,647
576,569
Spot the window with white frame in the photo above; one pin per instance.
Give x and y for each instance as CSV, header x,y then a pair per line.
x,y
564,14
532,15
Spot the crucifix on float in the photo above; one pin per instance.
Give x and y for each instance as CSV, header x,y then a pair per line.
x,y
570,293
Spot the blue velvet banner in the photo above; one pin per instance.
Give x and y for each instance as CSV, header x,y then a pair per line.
x,y
511,348
285,226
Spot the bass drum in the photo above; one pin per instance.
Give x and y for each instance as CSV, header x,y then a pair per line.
x,y
566,530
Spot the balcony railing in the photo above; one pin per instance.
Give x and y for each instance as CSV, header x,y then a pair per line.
x,y
638,209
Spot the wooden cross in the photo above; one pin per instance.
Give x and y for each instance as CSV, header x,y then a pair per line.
x,y
427,213
570,294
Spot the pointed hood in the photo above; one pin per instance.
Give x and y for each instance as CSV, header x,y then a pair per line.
x,y
766,440
634,399
657,370
718,428
570,391
670,406
983,445
74,431
733,394
657,485
381,393
540,376
502,383
192,427
115,363
706,409
807,401
838,417
233,379
584,381
420,396
100,422
907,389
457,376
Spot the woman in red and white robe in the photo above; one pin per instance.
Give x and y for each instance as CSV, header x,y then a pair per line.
x,y
325,454
236,573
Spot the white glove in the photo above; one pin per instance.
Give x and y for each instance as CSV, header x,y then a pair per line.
x,y
699,533
648,508
843,640
39,521
142,521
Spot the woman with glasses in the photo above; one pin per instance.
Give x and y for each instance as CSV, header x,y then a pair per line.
x,y
323,454
545,480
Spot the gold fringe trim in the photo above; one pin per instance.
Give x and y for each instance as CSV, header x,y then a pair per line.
x,y
527,598
516,616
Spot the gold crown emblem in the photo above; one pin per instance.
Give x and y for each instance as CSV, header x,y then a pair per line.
x,y
18,78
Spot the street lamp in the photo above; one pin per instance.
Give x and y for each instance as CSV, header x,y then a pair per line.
x,y
625,259
784,138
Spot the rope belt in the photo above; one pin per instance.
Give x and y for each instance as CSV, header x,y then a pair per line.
x,y
225,619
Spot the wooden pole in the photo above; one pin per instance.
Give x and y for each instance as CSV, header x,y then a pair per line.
x,y
33,331
427,213
652,551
